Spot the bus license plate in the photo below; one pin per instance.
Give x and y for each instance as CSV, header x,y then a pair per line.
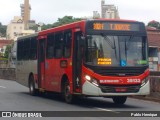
x,y
121,89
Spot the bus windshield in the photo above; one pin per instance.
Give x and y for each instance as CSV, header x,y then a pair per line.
x,y
108,50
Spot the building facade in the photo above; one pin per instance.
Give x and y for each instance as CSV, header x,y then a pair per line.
x,y
25,13
109,11
96,15
154,48
15,28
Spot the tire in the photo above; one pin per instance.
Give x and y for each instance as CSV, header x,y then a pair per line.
x,y
68,97
32,89
120,100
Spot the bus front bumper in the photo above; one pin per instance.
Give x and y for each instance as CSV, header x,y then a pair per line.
x,y
92,90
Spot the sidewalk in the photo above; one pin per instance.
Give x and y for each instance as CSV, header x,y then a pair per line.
x,y
155,97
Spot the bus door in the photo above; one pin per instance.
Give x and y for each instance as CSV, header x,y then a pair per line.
x,y
41,63
77,62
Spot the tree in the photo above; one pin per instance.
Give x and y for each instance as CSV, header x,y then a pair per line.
x,y
48,26
155,24
3,30
61,21
7,51
35,27
66,20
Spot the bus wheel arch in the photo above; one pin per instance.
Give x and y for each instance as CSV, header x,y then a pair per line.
x,y
65,89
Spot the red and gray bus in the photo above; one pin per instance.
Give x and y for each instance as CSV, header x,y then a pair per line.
x,y
98,58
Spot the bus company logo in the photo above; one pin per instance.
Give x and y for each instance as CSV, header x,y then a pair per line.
x,y
21,115
110,81
6,114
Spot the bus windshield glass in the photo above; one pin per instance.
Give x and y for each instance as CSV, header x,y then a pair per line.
x,y
108,50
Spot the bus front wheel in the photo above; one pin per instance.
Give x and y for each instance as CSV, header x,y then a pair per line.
x,y
119,99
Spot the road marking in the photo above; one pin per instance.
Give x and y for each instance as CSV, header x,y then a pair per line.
x,y
107,110
2,87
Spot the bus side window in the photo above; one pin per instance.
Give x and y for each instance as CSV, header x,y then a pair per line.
x,y
50,46
33,49
20,50
58,48
67,44
26,49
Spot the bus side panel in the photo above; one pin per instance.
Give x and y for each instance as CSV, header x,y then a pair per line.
x,y
19,73
51,78
54,74
24,69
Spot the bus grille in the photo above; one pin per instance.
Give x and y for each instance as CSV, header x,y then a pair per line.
x,y
120,71
120,89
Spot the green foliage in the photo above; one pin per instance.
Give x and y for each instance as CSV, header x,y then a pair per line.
x,y
34,28
7,51
48,26
3,30
61,21
3,59
154,24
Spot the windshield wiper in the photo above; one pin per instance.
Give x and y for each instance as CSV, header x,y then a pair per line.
x,y
113,46
127,45
126,48
107,39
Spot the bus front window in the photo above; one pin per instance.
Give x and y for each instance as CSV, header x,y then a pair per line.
x,y
116,50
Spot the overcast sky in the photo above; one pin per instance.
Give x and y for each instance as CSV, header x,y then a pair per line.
x,y
48,11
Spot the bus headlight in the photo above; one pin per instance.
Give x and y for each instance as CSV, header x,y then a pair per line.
x,y
91,80
87,77
144,81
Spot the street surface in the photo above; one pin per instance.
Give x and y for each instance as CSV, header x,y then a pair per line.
x,y
15,97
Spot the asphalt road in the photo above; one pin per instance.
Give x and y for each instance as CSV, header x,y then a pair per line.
x,y
15,97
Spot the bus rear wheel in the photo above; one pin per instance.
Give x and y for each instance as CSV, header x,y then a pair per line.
x,y
68,97
120,100
32,89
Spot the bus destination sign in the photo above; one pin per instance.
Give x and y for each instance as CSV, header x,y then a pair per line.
x,y
115,26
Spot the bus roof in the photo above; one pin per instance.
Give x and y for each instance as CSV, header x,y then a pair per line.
x,y
27,36
65,26
78,24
